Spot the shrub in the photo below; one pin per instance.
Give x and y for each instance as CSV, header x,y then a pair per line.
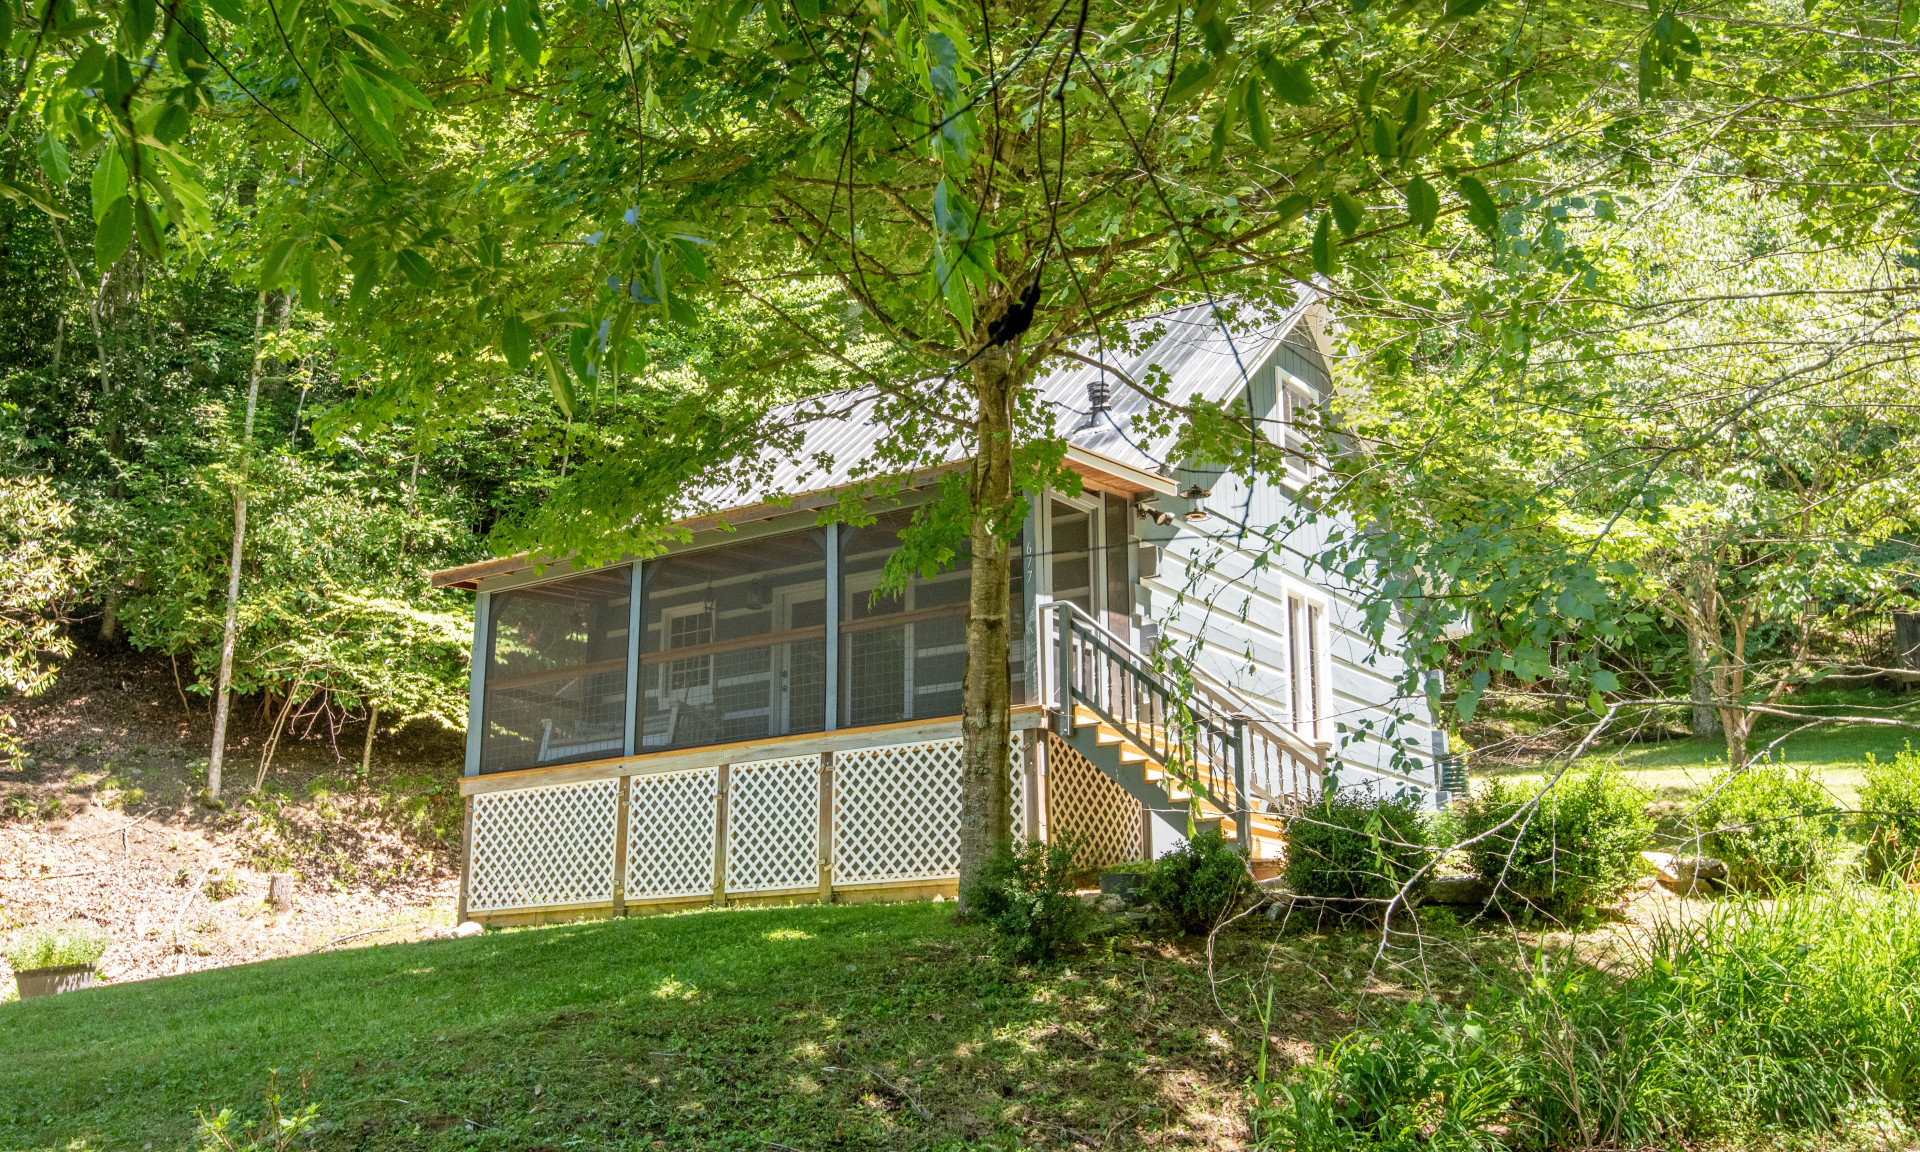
x,y
1890,800
1772,824
1358,847
79,943
1579,848
1027,896
1197,884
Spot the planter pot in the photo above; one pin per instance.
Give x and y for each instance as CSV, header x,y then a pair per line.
x,y
53,981
1120,884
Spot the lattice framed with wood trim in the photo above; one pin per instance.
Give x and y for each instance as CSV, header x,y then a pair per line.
x,y
670,829
896,811
543,847
1082,800
773,825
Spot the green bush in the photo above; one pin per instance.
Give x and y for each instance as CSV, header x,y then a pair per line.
x,y
1354,847
80,943
1577,849
1028,896
1772,824
1199,883
1890,814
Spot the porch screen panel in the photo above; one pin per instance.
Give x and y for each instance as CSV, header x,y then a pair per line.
x,y
1118,513
556,672
904,655
735,642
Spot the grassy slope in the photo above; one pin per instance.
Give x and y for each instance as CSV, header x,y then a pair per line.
x,y
713,1030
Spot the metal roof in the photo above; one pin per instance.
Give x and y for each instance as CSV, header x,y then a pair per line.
x,y
1197,351
1198,355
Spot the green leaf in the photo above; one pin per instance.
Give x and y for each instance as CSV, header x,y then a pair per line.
x,y
370,108
232,11
1595,702
1467,704
273,266
558,382
309,278
151,230
808,10
1386,141
1460,9
1323,245
418,271
53,160
1482,212
109,180
378,46
393,82
1257,119
112,234
520,30
1605,681
1346,213
1291,82
1423,203
86,71
516,342
136,25
1293,206
6,21
1192,79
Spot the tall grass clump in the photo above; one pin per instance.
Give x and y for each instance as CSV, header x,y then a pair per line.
x,y
1565,850
1890,815
1774,825
1027,896
1758,1020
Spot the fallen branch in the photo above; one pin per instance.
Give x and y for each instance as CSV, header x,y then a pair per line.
x,y
899,1093
123,828
67,875
173,931
356,936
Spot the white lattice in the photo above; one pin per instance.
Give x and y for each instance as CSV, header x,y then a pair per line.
x,y
670,827
1083,801
541,847
773,825
896,812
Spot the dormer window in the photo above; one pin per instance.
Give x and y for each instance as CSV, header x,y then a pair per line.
x,y
1300,417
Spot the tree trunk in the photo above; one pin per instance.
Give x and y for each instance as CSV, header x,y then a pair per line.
x,y
1706,720
223,699
366,753
986,809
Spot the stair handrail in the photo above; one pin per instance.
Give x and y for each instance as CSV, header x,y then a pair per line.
x,y
1218,690
1226,730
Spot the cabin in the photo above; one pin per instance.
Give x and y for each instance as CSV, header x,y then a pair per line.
x,y
740,719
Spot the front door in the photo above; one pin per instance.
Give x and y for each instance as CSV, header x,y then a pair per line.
x,y
1087,560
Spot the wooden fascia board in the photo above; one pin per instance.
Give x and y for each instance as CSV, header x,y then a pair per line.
x,y
1110,475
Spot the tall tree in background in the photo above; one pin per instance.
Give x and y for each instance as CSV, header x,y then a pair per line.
x,y
588,186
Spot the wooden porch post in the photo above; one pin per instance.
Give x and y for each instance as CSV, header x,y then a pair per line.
x,y
826,827
621,819
720,836
466,860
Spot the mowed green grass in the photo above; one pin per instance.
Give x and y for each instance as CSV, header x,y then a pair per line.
x,y
741,1029
1678,770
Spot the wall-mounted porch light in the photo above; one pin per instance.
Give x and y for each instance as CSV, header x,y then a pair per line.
x,y
1149,512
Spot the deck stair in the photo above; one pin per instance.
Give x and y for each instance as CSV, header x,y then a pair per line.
x,y
1194,754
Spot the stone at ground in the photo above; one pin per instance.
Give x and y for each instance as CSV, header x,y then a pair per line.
x,y
469,928
1111,903
1461,889
1686,874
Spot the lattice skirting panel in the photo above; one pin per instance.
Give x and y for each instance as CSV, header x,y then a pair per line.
x,y
670,830
773,825
896,811
1083,801
543,847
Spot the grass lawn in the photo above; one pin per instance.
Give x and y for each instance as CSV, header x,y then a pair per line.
x,y
805,1028
1673,772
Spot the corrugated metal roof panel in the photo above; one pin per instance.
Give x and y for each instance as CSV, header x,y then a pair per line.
x,y
1196,354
